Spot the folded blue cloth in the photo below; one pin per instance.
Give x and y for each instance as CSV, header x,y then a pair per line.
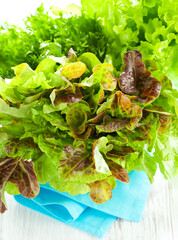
x,y
79,211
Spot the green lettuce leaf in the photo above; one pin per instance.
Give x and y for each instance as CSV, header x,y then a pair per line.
x,y
45,168
11,189
148,26
167,158
70,187
90,60
100,147
46,66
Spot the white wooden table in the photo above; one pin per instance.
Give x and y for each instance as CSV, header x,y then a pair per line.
x,y
160,220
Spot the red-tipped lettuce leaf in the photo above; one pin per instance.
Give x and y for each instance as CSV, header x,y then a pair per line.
x,y
58,96
103,73
118,172
122,106
77,165
165,122
3,206
98,118
157,109
113,126
72,55
69,97
137,79
21,173
100,191
25,179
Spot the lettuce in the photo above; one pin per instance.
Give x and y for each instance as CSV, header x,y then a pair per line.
x,y
168,158
136,78
148,26
21,174
45,34
80,126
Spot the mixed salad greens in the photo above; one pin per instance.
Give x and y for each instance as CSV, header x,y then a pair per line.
x,y
45,35
150,26
73,123
84,118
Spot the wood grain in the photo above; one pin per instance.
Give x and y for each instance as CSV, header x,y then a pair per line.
x,y
159,222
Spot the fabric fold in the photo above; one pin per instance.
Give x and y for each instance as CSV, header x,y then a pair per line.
x,y
62,206
91,221
128,200
79,211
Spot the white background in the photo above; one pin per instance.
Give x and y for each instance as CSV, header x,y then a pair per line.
x,y
13,11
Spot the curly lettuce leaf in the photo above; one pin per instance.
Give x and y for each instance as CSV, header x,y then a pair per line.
x,y
148,26
44,35
122,106
65,96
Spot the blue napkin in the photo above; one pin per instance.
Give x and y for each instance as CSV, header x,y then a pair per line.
x,y
79,211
